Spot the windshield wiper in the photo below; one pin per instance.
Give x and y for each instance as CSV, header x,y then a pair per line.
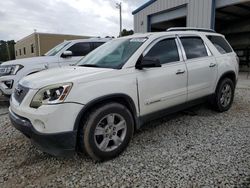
x,y
89,65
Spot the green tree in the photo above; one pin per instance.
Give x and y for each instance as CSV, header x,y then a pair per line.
x,y
7,50
126,32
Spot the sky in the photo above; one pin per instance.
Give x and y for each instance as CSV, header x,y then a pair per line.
x,y
19,18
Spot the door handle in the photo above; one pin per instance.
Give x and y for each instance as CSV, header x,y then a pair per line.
x,y
212,65
180,71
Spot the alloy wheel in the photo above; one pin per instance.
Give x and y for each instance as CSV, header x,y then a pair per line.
x,y
226,95
110,132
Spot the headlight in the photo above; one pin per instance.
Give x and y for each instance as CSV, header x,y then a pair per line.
x,y
10,69
52,94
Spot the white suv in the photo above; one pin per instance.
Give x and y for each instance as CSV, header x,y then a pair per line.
x,y
97,105
66,53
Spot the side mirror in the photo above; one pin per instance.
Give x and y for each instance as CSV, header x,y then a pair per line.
x,y
148,62
66,54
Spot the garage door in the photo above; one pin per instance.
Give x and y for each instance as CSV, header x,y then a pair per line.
x,y
162,20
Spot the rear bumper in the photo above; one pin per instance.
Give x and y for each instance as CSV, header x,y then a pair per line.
x,y
57,144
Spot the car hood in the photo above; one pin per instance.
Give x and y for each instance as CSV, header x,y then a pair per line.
x,y
27,61
74,74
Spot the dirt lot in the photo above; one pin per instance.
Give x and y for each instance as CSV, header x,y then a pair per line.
x,y
207,149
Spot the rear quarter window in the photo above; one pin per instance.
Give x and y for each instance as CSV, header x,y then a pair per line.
x,y
194,47
220,44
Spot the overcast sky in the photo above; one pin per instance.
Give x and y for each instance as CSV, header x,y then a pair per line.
x,y
19,18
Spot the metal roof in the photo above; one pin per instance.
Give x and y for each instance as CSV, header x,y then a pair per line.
x,y
143,6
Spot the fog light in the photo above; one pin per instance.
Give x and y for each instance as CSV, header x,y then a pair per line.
x,y
9,84
39,125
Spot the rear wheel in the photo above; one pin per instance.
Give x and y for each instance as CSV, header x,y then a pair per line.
x,y
224,95
107,131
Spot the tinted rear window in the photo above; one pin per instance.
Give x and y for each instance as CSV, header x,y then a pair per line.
x,y
194,47
220,43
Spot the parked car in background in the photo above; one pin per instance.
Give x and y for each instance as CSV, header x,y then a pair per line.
x,y
97,105
66,53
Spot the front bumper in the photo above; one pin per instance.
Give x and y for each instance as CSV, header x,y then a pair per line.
x,y
47,119
57,144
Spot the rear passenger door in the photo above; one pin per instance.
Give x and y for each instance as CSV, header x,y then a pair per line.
x,y
78,50
165,86
201,66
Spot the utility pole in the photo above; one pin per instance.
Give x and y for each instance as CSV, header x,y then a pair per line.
x,y
119,6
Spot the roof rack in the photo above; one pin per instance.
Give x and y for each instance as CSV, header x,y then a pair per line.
x,y
191,29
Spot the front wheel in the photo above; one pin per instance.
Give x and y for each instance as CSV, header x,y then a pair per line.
x,y
107,131
224,95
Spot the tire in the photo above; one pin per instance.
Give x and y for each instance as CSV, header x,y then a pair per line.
x,y
224,95
106,132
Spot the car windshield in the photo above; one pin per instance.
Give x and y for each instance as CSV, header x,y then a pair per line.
x,y
57,48
113,54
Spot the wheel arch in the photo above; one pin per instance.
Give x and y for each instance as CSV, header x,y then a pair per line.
x,y
119,98
229,74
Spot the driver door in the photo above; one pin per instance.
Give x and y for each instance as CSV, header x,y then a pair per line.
x,y
166,86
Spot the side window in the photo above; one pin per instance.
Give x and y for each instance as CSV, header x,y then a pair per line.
x,y
166,51
97,44
194,47
32,48
220,43
80,49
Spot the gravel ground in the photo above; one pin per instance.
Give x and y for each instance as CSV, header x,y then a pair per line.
x,y
185,150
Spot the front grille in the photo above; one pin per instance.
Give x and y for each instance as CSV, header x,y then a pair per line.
x,y
20,92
